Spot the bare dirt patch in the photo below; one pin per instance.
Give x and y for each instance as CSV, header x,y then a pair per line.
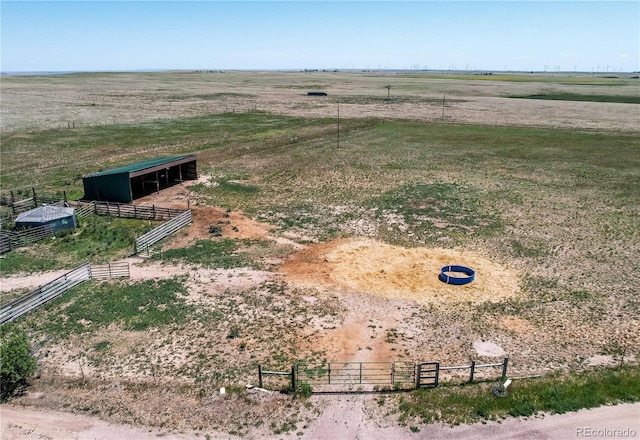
x,y
400,273
233,224
25,281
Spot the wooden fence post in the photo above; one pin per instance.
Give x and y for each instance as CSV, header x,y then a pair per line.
x,y
473,370
259,375
35,200
393,372
504,367
293,378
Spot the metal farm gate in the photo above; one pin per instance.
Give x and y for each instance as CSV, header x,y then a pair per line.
x,y
399,374
372,376
427,374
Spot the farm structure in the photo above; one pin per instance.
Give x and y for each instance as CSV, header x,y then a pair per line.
x,y
130,182
57,217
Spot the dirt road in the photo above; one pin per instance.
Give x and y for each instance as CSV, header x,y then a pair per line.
x,y
343,418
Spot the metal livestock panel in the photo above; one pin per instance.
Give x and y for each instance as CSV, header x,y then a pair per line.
x,y
41,295
110,270
155,235
10,240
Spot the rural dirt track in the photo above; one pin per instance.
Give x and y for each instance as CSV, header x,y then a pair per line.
x,y
342,419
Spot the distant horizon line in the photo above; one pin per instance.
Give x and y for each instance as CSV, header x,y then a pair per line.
x,y
364,70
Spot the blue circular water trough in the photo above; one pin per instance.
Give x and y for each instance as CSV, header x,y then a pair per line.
x,y
469,275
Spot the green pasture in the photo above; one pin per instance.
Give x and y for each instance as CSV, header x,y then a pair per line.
x,y
585,98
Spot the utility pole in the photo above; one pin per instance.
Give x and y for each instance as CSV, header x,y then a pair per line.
x,y
444,98
338,125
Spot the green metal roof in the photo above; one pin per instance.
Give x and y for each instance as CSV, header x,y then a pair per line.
x,y
141,165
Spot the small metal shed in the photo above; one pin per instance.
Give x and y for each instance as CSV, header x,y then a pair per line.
x,y
59,217
130,182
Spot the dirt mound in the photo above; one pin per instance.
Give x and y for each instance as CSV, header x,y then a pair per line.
x,y
395,272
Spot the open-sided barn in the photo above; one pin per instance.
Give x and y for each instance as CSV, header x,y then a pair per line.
x,y
130,182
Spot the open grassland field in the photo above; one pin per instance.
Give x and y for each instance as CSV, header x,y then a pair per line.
x,y
331,246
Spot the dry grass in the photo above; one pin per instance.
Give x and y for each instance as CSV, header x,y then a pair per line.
x,y
43,102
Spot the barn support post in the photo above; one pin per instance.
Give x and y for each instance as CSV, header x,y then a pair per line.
x,y
180,173
157,182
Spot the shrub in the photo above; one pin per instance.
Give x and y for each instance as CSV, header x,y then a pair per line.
x,y
304,390
17,362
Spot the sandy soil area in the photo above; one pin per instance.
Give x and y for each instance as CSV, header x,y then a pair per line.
x,y
394,272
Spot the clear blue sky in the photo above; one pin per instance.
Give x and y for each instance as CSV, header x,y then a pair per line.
x,y
489,35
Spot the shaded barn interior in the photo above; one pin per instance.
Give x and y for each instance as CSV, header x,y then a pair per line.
x,y
130,182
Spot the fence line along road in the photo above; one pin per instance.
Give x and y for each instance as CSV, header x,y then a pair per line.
x,y
147,240
41,295
396,375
